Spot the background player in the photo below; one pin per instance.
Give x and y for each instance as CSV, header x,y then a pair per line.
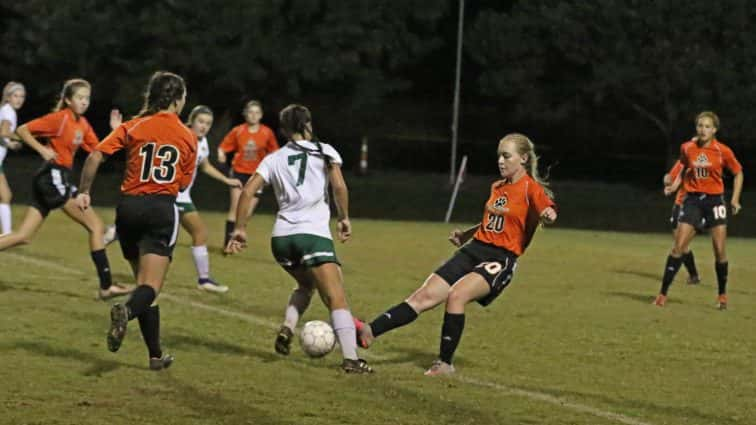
x,y
13,98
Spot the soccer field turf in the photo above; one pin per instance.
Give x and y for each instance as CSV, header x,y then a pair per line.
x,y
573,340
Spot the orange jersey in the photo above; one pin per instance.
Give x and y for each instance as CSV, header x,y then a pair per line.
x,y
250,148
65,134
704,166
512,214
674,172
161,154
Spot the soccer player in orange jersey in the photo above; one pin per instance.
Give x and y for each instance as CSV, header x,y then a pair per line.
x,y
250,142
482,268
160,160
65,129
704,161
688,258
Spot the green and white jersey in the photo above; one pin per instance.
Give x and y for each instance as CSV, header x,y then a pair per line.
x,y
203,151
7,113
299,178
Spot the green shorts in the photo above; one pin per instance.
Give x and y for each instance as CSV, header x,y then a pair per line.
x,y
302,250
185,207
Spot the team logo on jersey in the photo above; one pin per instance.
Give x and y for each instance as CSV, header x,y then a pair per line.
x,y
250,150
499,205
78,138
702,160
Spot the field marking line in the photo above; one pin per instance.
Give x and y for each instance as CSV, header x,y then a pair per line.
x,y
257,320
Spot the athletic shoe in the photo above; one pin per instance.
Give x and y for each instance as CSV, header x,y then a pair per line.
x,y
356,366
115,290
660,300
210,285
439,367
110,235
722,302
364,333
160,363
119,319
283,340
694,280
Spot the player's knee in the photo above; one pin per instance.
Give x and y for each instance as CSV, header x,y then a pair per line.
x,y
456,298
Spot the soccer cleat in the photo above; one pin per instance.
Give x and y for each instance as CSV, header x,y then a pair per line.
x,y
439,367
283,340
356,366
115,290
119,319
364,333
160,363
722,302
660,300
694,280
110,235
209,285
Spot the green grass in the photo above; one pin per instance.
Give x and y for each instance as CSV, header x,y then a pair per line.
x,y
576,325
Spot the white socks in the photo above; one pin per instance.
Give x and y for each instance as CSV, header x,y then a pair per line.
x,y
343,325
5,218
298,303
201,261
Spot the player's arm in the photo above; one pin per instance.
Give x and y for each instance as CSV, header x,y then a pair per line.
x,y
7,134
460,237
213,172
341,199
737,188
88,173
25,134
238,239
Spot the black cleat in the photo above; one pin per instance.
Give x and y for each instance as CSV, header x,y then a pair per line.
x,y
694,280
283,340
356,366
160,363
119,319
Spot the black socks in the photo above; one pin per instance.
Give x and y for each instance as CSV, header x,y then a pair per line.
x,y
670,270
396,316
451,334
100,260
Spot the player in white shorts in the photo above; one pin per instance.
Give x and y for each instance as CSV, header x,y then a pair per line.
x,y
300,173
200,121
13,98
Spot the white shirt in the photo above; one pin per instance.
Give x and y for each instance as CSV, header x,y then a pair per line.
x,y
299,178
7,113
203,152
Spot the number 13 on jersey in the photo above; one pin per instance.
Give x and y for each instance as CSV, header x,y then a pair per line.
x,y
165,170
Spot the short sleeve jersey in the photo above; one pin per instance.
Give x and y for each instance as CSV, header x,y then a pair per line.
x,y
250,148
674,173
704,166
203,152
7,113
161,154
299,176
65,133
512,214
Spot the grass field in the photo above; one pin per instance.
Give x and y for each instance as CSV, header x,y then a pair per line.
x,y
574,339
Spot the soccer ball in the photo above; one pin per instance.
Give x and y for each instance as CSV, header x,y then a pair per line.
x,y
317,338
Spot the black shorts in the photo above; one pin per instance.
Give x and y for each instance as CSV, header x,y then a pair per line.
x,y
51,188
147,224
674,216
495,264
244,178
703,211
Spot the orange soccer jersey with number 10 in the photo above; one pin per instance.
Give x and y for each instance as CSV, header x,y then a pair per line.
x,y
250,148
512,214
161,154
704,166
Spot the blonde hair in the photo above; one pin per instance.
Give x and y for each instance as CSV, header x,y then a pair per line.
x,y
250,104
525,147
8,90
69,88
198,110
711,115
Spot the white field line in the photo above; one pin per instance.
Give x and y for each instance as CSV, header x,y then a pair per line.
x,y
256,320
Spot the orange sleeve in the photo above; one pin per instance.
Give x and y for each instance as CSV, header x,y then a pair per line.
x,y
272,142
683,158
46,126
90,139
675,171
730,162
539,198
228,144
114,142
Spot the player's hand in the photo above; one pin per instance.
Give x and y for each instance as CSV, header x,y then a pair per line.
x,y
666,180
221,156
549,215
456,237
116,119
669,189
83,201
735,207
345,229
234,183
48,154
237,242
14,145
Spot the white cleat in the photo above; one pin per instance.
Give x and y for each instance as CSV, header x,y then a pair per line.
x,y
210,285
